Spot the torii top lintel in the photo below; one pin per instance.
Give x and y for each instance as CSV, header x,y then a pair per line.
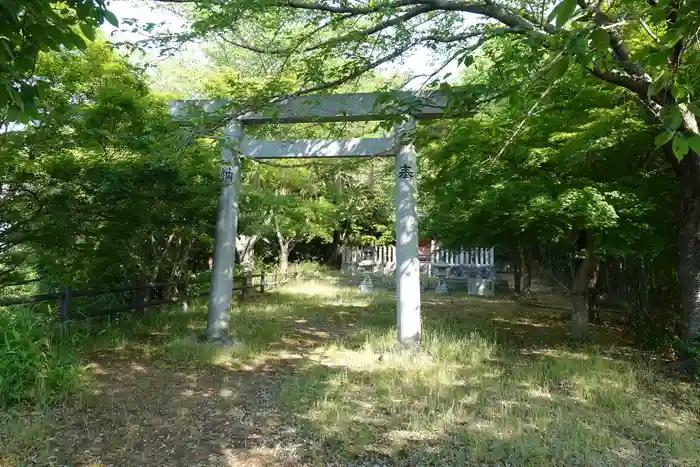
x,y
422,105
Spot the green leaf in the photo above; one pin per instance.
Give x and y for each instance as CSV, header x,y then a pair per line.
x,y
663,138
673,119
88,30
16,98
694,143
658,14
660,83
577,44
680,146
658,57
673,35
109,16
559,68
467,60
565,12
585,59
14,114
600,39
677,91
554,13
78,41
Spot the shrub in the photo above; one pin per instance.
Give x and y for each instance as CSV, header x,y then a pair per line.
x,y
33,370
309,269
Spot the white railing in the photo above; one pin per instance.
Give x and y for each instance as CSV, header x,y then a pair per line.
x,y
470,257
475,266
385,257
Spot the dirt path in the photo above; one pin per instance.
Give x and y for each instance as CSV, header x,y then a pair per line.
x,y
142,414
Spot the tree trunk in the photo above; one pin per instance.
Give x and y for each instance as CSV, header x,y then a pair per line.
x,y
689,244
579,292
579,302
284,258
517,271
245,245
526,271
339,243
593,315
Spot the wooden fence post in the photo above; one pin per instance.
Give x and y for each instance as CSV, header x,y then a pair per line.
x,y
262,281
244,286
66,299
140,297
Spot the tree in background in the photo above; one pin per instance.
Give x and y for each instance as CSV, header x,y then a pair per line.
x,y
100,190
30,27
564,178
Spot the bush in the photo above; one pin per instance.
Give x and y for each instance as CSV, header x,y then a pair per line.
x,y
33,370
309,269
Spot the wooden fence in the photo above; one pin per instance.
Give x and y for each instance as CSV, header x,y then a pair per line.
x,y
140,294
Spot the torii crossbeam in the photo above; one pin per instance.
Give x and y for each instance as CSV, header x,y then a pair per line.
x,y
329,108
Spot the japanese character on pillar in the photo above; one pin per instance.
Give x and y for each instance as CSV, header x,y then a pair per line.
x,y
226,174
405,171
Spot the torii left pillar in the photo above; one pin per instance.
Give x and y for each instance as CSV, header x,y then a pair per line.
x,y
221,292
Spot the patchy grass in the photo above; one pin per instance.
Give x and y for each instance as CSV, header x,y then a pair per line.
x,y
315,379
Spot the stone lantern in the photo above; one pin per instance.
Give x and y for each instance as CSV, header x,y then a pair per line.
x,y
366,267
441,271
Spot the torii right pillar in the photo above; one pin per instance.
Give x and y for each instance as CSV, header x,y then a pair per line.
x,y
408,319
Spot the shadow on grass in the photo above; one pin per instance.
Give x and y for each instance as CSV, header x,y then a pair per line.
x,y
563,410
299,318
307,386
408,409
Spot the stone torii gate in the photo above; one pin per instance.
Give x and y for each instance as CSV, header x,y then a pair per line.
x,y
325,108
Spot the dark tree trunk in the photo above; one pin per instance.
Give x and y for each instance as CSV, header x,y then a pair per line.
x,y
517,271
688,220
579,302
579,293
593,315
526,271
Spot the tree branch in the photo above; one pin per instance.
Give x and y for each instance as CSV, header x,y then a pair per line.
x,y
437,71
621,79
374,29
675,60
360,71
492,10
337,40
453,38
620,49
253,48
529,113
278,233
356,10
648,30
452,57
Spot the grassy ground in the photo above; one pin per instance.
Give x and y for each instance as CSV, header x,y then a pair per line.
x,y
315,380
